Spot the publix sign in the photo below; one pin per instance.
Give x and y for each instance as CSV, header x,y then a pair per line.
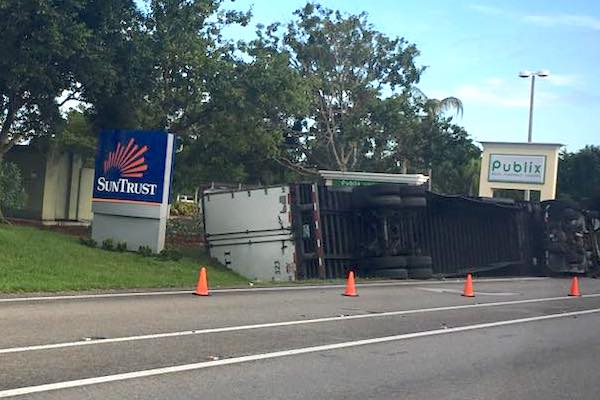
x,y
517,168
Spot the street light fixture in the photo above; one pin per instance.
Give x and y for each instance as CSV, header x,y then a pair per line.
x,y
528,74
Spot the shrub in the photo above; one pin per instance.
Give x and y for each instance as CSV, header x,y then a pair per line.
x,y
12,194
88,242
108,244
188,227
169,255
121,247
145,251
182,209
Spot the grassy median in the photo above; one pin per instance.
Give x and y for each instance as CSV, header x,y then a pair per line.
x,y
35,260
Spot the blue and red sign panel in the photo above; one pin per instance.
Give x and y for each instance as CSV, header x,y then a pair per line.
x,y
130,166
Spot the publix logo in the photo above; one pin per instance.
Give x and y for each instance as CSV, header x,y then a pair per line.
x,y
124,162
517,168
526,167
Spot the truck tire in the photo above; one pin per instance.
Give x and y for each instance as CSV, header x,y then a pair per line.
x,y
419,261
383,262
391,189
395,273
379,189
420,273
391,201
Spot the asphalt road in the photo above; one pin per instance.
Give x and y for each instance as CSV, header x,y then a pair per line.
x,y
517,339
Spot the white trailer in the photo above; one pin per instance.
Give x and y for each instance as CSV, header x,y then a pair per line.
x,y
250,231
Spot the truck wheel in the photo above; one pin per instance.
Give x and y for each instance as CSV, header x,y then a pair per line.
x,y
379,189
384,201
419,261
391,189
383,262
420,273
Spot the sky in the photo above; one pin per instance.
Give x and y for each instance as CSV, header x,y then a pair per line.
x,y
474,50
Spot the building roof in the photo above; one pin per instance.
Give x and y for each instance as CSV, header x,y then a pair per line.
x,y
522,143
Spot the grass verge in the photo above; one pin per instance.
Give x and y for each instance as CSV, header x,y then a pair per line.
x,y
34,260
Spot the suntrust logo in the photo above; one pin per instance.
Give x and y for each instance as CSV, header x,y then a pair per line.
x,y
126,161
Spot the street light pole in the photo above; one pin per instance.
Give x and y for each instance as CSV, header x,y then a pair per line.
x,y
529,137
532,75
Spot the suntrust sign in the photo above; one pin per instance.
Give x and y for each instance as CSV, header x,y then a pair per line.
x,y
517,168
130,167
131,188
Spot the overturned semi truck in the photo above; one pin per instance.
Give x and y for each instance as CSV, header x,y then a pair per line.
x,y
393,230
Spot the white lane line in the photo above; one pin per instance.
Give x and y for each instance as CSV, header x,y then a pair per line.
x,y
278,354
478,293
255,289
279,324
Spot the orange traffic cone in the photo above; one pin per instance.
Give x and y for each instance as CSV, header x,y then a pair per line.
x,y
468,291
202,286
574,287
350,286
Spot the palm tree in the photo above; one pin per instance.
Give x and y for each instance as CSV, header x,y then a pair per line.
x,y
437,107
434,109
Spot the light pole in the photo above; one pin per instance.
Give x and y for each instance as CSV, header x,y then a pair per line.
x,y
532,75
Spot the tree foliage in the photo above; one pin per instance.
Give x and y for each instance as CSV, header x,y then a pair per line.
x,y
12,194
325,91
77,134
185,50
347,65
41,43
238,136
579,177
455,161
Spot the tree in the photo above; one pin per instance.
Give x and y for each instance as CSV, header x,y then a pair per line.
x,y
455,161
579,177
433,112
86,50
392,148
436,107
114,71
76,134
41,40
348,66
237,138
184,50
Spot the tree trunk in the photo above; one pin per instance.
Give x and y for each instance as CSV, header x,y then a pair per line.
x,y
404,166
430,184
2,219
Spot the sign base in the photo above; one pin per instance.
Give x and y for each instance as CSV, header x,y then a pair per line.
x,y
133,231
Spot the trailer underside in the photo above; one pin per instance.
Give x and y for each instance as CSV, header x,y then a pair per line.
x,y
402,231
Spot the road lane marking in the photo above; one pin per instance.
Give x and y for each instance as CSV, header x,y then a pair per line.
x,y
278,354
279,324
254,289
479,293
